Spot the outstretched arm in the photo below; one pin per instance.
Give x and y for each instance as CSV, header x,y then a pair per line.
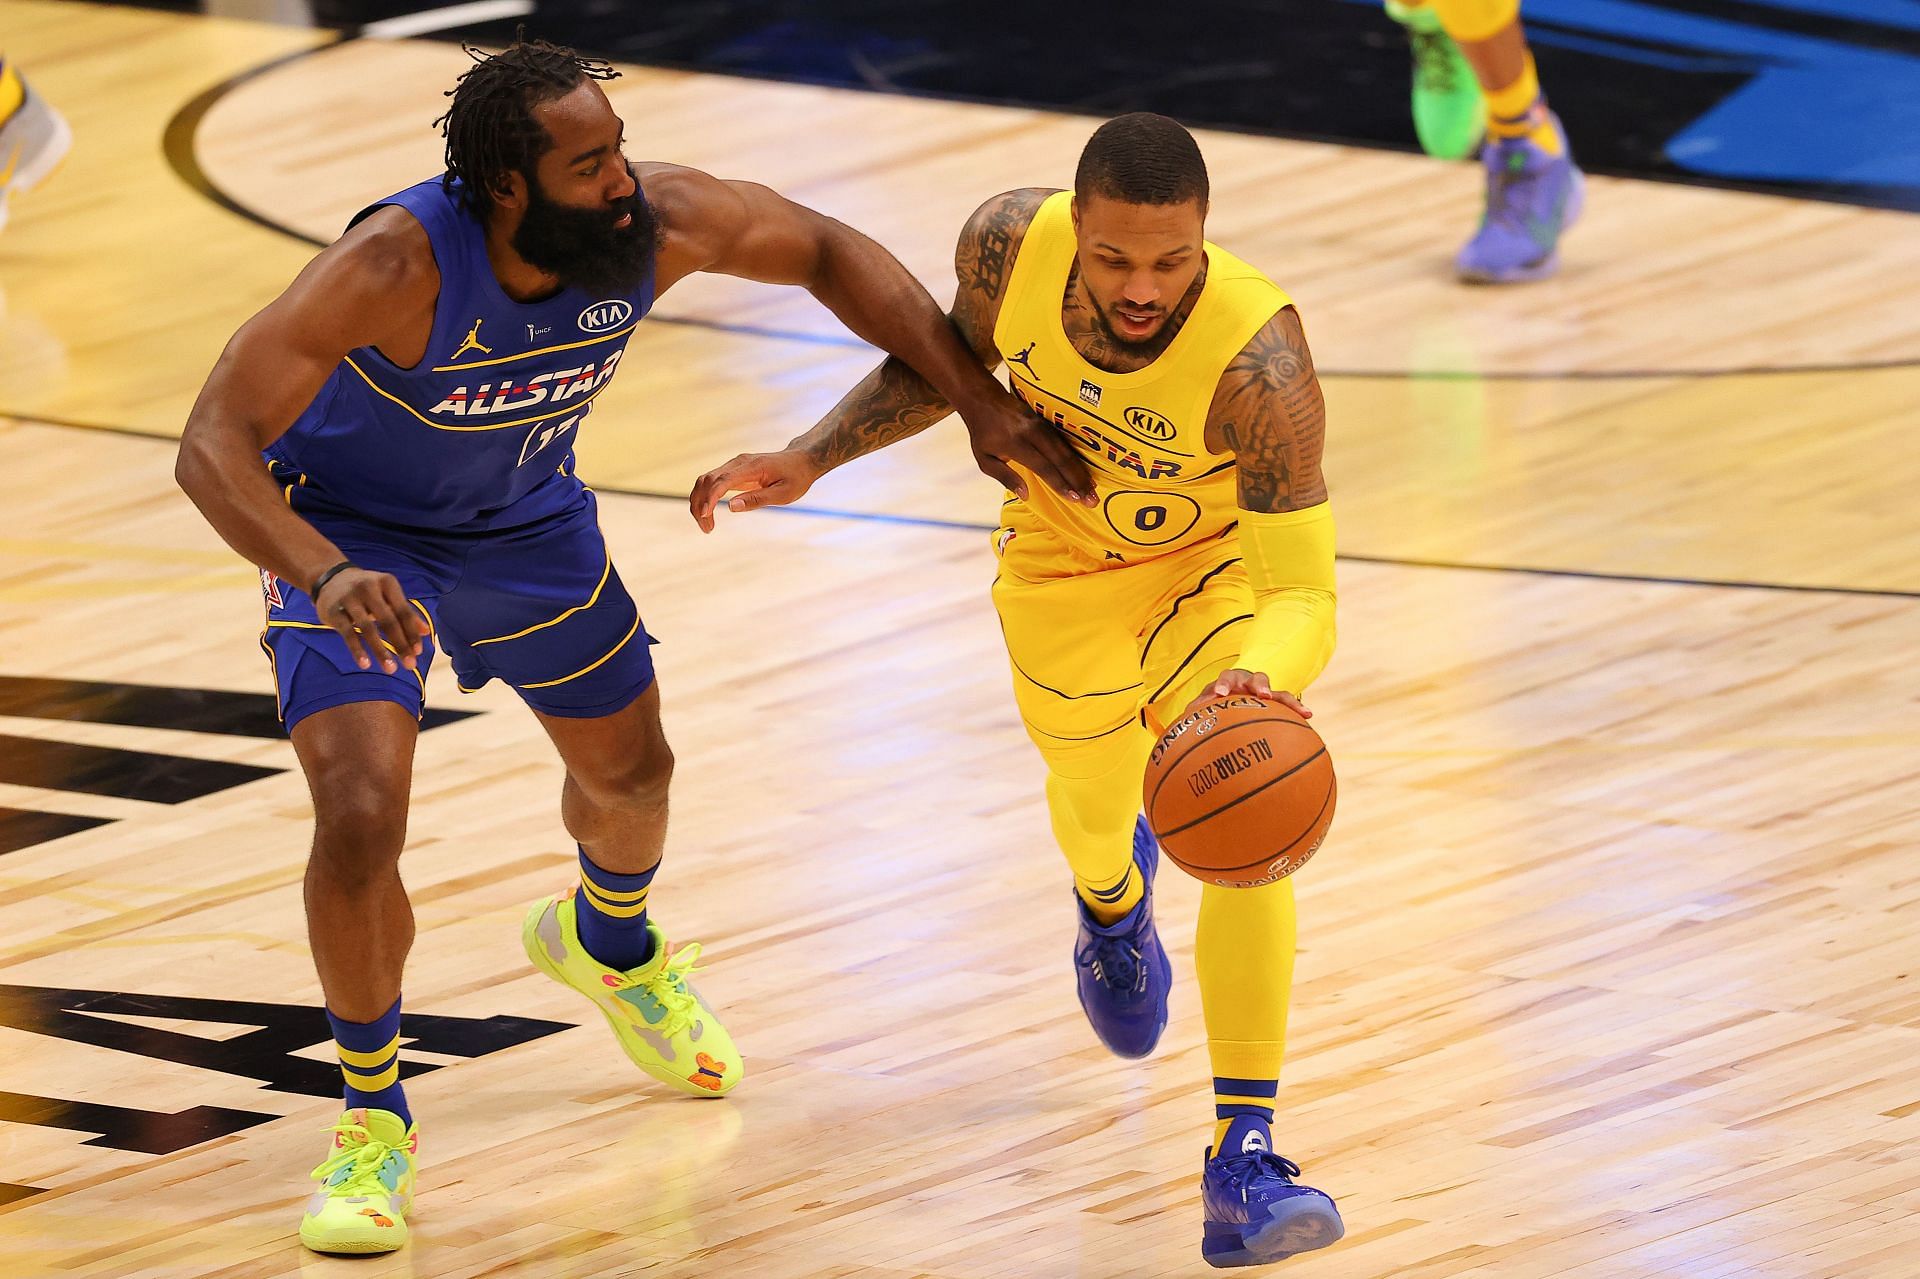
x,y
1268,410
895,401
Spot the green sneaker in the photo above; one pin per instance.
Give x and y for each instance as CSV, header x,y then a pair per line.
x,y
660,1021
1449,113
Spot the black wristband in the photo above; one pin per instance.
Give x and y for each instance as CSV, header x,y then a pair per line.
x,y
320,582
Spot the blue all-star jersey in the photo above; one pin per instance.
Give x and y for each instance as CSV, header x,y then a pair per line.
x,y
480,433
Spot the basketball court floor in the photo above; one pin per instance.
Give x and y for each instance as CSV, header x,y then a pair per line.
x,y
1608,966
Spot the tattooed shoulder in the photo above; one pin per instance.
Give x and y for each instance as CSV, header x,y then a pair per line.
x,y
1269,411
988,244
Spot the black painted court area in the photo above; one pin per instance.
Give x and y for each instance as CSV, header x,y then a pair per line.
x,y
1814,98
47,763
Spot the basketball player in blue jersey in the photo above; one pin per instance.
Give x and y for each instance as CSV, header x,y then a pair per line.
x,y
414,396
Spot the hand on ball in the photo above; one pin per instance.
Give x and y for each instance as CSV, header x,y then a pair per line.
x,y
1238,683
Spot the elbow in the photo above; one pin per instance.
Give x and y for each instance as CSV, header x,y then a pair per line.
x,y
188,467
184,469
193,467
825,272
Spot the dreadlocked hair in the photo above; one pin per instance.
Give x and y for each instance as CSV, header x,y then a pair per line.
x,y
489,128
1142,158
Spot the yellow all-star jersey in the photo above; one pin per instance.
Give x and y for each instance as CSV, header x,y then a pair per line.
x,y
1142,433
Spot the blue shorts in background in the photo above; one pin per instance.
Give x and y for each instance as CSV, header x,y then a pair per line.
x,y
538,606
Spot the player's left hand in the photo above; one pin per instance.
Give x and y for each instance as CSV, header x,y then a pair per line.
x,y
1004,431
1239,683
755,480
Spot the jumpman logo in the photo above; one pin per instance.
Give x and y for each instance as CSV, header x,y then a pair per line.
x,y
472,342
1025,360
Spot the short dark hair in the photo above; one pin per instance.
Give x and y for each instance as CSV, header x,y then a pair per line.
x,y
490,129
1142,158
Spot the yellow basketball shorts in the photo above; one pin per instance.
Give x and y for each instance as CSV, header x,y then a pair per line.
x,y
1098,649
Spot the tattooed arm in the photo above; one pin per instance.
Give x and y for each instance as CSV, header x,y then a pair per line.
x,y
894,402
1268,411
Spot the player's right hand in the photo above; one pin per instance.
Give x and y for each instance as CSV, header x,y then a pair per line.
x,y
372,614
1005,431
1243,683
754,480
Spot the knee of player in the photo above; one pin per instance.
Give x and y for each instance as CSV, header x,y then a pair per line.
x,y
1114,756
640,780
358,834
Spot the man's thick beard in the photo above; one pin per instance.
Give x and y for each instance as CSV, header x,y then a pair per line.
x,y
583,247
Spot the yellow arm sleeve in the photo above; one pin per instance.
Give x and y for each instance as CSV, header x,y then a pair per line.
x,y
1289,557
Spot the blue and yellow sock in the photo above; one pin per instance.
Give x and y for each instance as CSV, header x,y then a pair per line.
x,y
370,1061
610,911
1243,955
1243,1108
1520,111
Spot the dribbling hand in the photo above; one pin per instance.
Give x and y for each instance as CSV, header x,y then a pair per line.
x,y
1239,683
371,609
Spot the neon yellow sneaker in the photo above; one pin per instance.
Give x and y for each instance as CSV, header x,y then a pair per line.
x,y
662,1024
366,1185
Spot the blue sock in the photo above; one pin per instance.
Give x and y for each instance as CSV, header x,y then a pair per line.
x,y
610,911
370,1061
1243,1114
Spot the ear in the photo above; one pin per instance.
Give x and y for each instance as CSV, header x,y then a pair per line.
x,y
510,190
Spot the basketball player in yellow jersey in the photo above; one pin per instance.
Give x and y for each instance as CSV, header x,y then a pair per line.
x,y
1201,565
1474,77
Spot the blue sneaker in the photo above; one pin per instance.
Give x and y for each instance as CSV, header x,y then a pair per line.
x,y
1532,197
1256,1214
1122,967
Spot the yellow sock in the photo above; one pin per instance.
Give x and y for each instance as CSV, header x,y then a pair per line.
x,y
12,93
1093,823
1243,956
1518,111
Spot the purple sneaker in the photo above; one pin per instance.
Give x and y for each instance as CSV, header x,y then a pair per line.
x,y
1121,968
1532,196
1255,1212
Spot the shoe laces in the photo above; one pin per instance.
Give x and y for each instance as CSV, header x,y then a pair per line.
x,y
1249,1166
365,1156
1507,181
1433,64
668,985
1115,962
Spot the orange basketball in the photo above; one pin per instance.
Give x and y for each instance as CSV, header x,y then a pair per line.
x,y
1240,792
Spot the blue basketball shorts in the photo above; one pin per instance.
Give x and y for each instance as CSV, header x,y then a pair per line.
x,y
537,606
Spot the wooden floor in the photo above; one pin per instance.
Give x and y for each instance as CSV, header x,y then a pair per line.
x,y
1608,970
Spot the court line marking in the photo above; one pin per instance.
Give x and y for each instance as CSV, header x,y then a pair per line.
x,y
183,157
968,526
457,15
